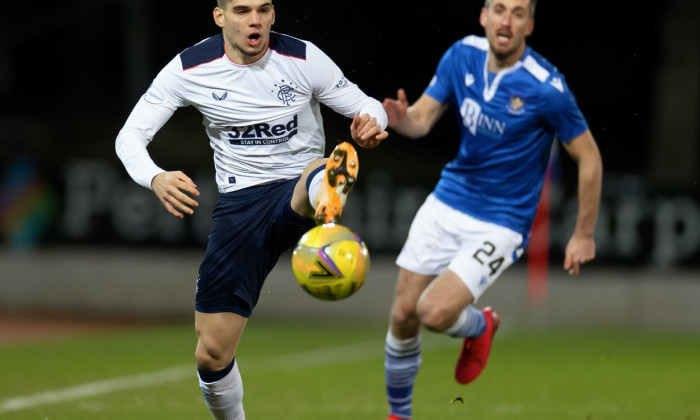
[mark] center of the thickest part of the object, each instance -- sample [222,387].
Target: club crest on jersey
[285,92]
[515,106]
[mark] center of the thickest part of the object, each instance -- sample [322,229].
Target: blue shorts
[251,228]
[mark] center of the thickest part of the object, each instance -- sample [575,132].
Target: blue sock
[401,364]
[471,323]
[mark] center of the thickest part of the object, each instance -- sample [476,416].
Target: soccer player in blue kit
[510,104]
[259,93]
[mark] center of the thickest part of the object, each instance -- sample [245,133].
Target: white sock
[314,186]
[454,329]
[225,396]
[406,344]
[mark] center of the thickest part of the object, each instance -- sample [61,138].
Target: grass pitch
[298,370]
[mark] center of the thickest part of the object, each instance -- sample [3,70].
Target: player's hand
[366,131]
[578,251]
[396,108]
[175,190]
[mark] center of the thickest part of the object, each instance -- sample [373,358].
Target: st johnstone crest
[516,104]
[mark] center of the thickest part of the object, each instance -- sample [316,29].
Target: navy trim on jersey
[204,52]
[287,45]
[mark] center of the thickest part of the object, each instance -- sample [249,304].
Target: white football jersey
[263,119]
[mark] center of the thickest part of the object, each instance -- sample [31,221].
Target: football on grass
[330,262]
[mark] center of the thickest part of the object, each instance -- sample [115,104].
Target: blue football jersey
[508,122]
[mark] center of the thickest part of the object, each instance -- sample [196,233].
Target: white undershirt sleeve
[138,131]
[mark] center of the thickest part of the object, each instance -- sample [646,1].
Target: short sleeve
[560,109]
[440,87]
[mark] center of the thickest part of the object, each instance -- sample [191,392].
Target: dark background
[65,66]
[70,73]
[67,62]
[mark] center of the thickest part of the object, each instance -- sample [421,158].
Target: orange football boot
[341,174]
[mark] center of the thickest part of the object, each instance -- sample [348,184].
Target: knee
[404,321]
[434,317]
[210,356]
[300,202]
[402,314]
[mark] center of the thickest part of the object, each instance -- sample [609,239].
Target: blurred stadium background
[79,237]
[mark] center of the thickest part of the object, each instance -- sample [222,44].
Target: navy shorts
[251,228]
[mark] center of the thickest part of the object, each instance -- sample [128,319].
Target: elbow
[423,131]
[591,173]
[411,130]
[119,144]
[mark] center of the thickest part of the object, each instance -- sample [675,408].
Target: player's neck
[499,62]
[237,56]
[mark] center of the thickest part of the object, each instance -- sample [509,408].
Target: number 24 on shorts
[483,255]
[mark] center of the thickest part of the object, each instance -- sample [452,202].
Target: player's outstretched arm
[366,131]
[581,246]
[175,190]
[396,108]
[416,120]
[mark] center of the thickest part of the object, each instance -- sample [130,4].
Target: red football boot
[475,351]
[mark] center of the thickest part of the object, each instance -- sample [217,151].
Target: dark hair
[533,5]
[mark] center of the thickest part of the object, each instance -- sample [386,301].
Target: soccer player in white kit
[510,103]
[259,93]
